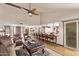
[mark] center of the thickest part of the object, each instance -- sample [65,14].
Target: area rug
[48,52]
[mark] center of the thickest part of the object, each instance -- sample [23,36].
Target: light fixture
[30,14]
[56,24]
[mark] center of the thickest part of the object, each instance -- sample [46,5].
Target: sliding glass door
[71,34]
[71,37]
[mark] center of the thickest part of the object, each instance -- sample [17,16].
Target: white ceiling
[50,12]
[51,7]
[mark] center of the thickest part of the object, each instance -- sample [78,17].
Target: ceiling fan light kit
[30,14]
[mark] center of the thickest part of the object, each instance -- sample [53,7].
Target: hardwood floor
[57,48]
[61,50]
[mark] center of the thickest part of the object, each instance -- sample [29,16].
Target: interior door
[71,38]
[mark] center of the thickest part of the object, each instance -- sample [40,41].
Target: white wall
[59,16]
[60,39]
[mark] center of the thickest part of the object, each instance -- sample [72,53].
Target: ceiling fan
[30,11]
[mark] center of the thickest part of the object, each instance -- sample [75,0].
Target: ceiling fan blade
[35,13]
[26,9]
[13,5]
[33,9]
[16,6]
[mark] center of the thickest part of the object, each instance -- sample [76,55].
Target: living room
[27,28]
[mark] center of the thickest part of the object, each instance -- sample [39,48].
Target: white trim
[77,33]
[64,35]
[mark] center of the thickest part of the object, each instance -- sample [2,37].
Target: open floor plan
[39,29]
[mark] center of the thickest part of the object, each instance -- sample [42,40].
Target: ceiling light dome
[30,14]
